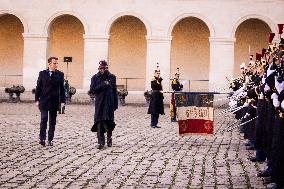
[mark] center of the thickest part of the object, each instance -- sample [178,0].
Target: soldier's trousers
[102,128]
[278,152]
[43,124]
[154,119]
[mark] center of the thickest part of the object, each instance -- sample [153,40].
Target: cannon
[17,90]
[69,91]
[122,93]
[147,95]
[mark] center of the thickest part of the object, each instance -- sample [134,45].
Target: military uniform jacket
[156,105]
[50,90]
[176,85]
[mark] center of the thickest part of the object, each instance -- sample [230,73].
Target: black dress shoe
[248,144]
[100,146]
[267,180]
[255,159]
[250,147]
[271,186]
[109,142]
[42,142]
[264,173]
[157,126]
[50,143]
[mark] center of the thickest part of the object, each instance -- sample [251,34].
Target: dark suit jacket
[50,90]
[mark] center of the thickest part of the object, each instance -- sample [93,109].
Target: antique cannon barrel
[7,90]
[15,89]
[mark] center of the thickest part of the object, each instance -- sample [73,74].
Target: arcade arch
[11,50]
[127,52]
[251,36]
[190,51]
[66,40]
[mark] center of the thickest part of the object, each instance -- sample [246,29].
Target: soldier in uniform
[156,106]
[176,87]
[278,134]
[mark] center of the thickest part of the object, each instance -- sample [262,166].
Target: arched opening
[127,52]
[251,36]
[190,51]
[11,50]
[66,40]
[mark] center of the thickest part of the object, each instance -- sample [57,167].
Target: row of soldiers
[258,102]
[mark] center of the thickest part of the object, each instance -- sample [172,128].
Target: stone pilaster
[158,50]
[221,62]
[35,58]
[95,49]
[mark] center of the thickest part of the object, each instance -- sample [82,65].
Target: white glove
[246,104]
[274,96]
[276,103]
[266,88]
[242,95]
[282,105]
[233,103]
[263,80]
[239,91]
[261,96]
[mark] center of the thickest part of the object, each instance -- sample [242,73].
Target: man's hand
[106,82]
[37,103]
[276,103]
[62,104]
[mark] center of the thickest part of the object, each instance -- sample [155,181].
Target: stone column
[35,58]
[221,62]
[95,49]
[158,50]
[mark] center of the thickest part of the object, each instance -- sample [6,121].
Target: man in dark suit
[103,86]
[49,95]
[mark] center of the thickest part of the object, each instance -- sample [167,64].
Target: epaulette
[153,79]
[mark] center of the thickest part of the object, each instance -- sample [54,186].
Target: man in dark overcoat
[156,106]
[103,86]
[49,95]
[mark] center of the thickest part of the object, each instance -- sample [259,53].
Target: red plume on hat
[257,56]
[263,52]
[271,36]
[280,28]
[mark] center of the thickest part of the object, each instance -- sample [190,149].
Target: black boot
[109,142]
[42,142]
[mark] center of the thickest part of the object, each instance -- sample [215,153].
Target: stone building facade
[206,39]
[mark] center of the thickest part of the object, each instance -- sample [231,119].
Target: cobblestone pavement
[141,157]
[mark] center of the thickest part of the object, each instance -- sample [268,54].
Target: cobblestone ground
[141,157]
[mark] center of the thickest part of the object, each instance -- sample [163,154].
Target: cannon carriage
[16,90]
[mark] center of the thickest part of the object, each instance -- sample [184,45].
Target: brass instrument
[242,124]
